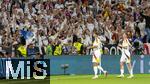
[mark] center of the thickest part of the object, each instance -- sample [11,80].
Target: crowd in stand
[64,27]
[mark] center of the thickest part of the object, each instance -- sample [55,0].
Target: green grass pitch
[84,79]
[111,79]
[18,81]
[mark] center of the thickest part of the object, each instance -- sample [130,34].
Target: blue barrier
[83,64]
[2,67]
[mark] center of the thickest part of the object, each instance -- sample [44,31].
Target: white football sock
[122,71]
[100,68]
[95,70]
[131,71]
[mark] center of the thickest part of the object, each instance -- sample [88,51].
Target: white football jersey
[126,44]
[97,43]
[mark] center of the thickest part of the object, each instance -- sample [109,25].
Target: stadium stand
[64,27]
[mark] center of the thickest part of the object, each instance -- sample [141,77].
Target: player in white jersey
[125,57]
[96,57]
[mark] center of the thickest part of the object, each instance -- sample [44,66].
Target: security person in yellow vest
[79,46]
[58,49]
[22,51]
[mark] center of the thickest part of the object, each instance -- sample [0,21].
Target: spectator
[79,46]
[146,16]
[31,51]
[58,48]
[49,49]
[36,21]
[22,52]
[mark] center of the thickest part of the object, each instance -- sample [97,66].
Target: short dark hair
[1,54]
[96,32]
